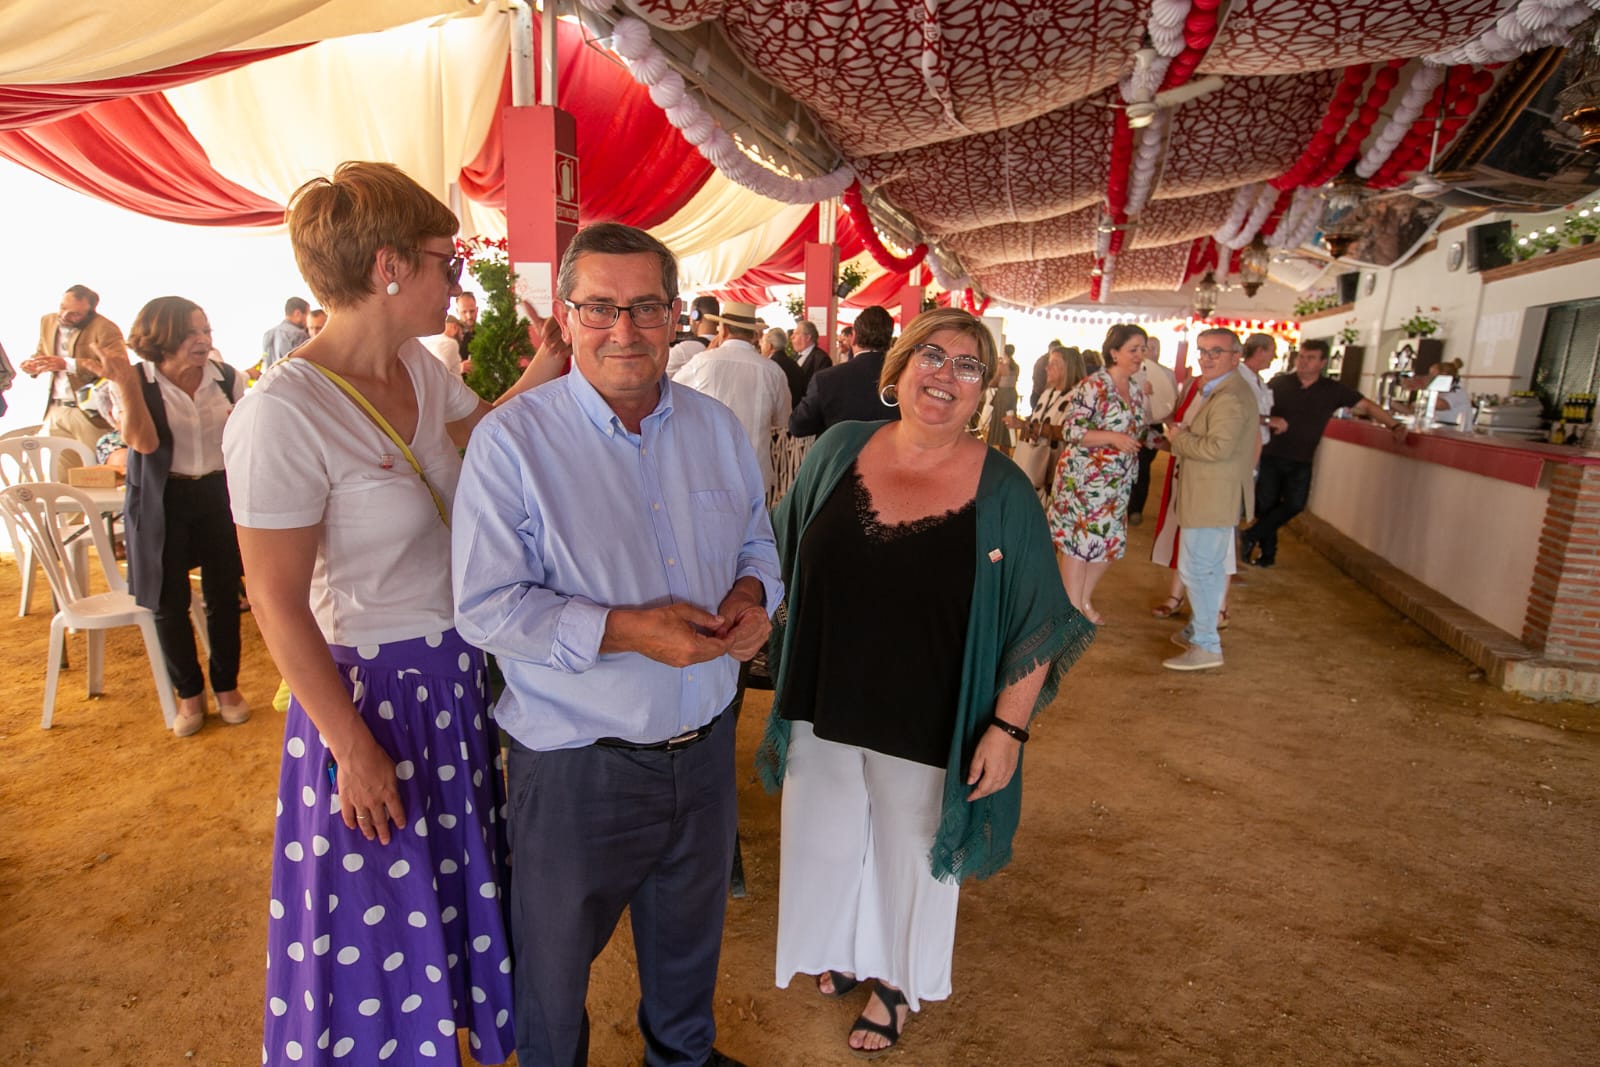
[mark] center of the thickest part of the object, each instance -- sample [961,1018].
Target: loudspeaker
[1349,282]
[1485,245]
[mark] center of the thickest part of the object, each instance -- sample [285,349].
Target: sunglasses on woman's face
[453,265]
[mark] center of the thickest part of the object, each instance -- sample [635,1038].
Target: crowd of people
[603,531]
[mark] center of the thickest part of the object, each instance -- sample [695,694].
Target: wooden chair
[48,516]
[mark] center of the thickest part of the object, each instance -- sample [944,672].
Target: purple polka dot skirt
[380,953]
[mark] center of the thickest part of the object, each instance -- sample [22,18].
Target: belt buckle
[682,740]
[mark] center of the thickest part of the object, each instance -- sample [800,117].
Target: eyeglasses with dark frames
[965,368]
[453,265]
[649,315]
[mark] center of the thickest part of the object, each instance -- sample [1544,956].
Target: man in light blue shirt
[287,336]
[611,546]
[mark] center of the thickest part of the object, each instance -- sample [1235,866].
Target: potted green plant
[795,305]
[1581,229]
[850,278]
[501,347]
[1420,324]
[1349,334]
[1310,305]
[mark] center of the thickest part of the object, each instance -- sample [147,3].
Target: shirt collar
[594,406]
[1210,387]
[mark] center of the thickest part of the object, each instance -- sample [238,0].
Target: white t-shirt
[301,453]
[1263,399]
[683,352]
[446,349]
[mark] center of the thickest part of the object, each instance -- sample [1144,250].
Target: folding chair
[43,513]
[26,458]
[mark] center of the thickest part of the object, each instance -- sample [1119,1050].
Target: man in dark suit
[849,392]
[808,353]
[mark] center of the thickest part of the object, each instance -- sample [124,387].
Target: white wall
[1493,329]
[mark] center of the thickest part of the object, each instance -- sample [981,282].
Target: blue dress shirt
[562,514]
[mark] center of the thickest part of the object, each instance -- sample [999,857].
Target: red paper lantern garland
[1199,30]
[1456,99]
[856,205]
[1333,122]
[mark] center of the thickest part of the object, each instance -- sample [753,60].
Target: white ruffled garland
[1243,199]
[1141,179]
[649,67]
[1423,82]
[1300,221]
[1531,24]
[1165,28]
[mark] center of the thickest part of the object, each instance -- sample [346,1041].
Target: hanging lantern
[1341,217]
[1206,292]
[1253,264]
[1580,100]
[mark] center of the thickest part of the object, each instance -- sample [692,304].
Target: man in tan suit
[1215,455]
[67,341]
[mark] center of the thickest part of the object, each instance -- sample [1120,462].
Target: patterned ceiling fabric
[1035,170]
[1248,130]
[22,106]
[859,64]
[1039,283]
[1275,37]
[48,41]
[136,153]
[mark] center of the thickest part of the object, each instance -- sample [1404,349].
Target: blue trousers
[1202,557]
[594,830]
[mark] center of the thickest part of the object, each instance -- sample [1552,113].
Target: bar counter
[1507,530]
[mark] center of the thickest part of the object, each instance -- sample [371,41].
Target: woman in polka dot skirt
[386,932]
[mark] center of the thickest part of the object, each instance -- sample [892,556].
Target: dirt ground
[1339,849]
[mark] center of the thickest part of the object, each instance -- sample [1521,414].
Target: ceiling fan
[1143,107]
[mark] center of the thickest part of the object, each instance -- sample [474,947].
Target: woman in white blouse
[177,515]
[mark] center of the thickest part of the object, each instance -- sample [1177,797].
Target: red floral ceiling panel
[1063,235]
[1152,268]
[1035,170]
[886,75]
[1283,36]
[1040,283]
[1166,222]
[1246,131]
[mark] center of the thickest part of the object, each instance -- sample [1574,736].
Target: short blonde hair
[338,224]
[925,326]
[161,326]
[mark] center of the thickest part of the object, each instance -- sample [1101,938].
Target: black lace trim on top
[885,532]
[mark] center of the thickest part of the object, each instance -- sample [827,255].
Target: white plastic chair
[22,431]
[43,512]
[26,458]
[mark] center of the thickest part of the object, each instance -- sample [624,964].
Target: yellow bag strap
[389,431]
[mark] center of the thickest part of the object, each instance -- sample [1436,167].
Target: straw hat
[737,314]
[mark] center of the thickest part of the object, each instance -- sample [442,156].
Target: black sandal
[842,984]
[891,999]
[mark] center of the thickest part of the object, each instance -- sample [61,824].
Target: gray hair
[1218,331]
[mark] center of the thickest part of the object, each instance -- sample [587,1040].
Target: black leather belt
[671,744]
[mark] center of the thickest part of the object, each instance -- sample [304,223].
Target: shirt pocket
[719,518]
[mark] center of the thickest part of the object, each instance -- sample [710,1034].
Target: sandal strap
[891,999]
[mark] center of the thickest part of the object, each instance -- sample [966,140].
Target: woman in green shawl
[926,626]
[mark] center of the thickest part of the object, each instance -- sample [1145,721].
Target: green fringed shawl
[1020,618]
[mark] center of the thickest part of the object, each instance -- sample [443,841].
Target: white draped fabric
[422,97]
[718,210]
[738,252]
[43,41]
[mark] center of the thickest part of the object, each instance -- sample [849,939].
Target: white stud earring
[393,289]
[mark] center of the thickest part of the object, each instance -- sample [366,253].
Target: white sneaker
[1194,658]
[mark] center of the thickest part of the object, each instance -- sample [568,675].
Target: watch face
[1457,252]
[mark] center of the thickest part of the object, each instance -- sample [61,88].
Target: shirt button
[643,451]
[672,563]
[690,677]
[655,507]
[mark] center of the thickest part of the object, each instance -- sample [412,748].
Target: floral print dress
[1088,512]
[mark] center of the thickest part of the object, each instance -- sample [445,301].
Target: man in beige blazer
[1215,455]
[66,352]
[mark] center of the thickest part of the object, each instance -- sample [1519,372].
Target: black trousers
[1141,484]
[200,533]
[1282,488]
[594,830]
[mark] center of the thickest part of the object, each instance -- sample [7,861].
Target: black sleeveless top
[877,663]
